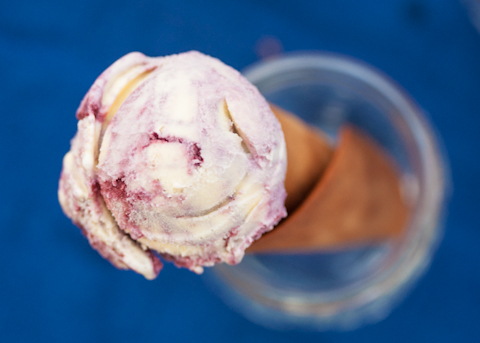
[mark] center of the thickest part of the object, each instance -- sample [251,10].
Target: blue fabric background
[55,288]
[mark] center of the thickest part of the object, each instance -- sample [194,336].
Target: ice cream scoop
[180,155]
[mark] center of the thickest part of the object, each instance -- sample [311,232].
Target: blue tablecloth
[55,288]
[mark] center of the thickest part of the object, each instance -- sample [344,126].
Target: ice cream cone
[352,197]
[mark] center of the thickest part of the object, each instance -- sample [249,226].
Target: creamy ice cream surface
[180,155]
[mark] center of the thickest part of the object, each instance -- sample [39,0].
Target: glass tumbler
[350,287]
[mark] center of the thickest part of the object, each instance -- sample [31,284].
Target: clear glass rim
[382,289]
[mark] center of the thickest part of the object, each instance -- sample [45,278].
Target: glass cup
[346,288]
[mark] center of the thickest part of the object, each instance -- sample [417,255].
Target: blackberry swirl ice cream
[176,156]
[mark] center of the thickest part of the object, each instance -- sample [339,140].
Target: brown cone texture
[346,198]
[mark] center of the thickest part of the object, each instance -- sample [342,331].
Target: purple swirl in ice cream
[180,155]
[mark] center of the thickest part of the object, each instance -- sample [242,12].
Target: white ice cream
[177,154]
